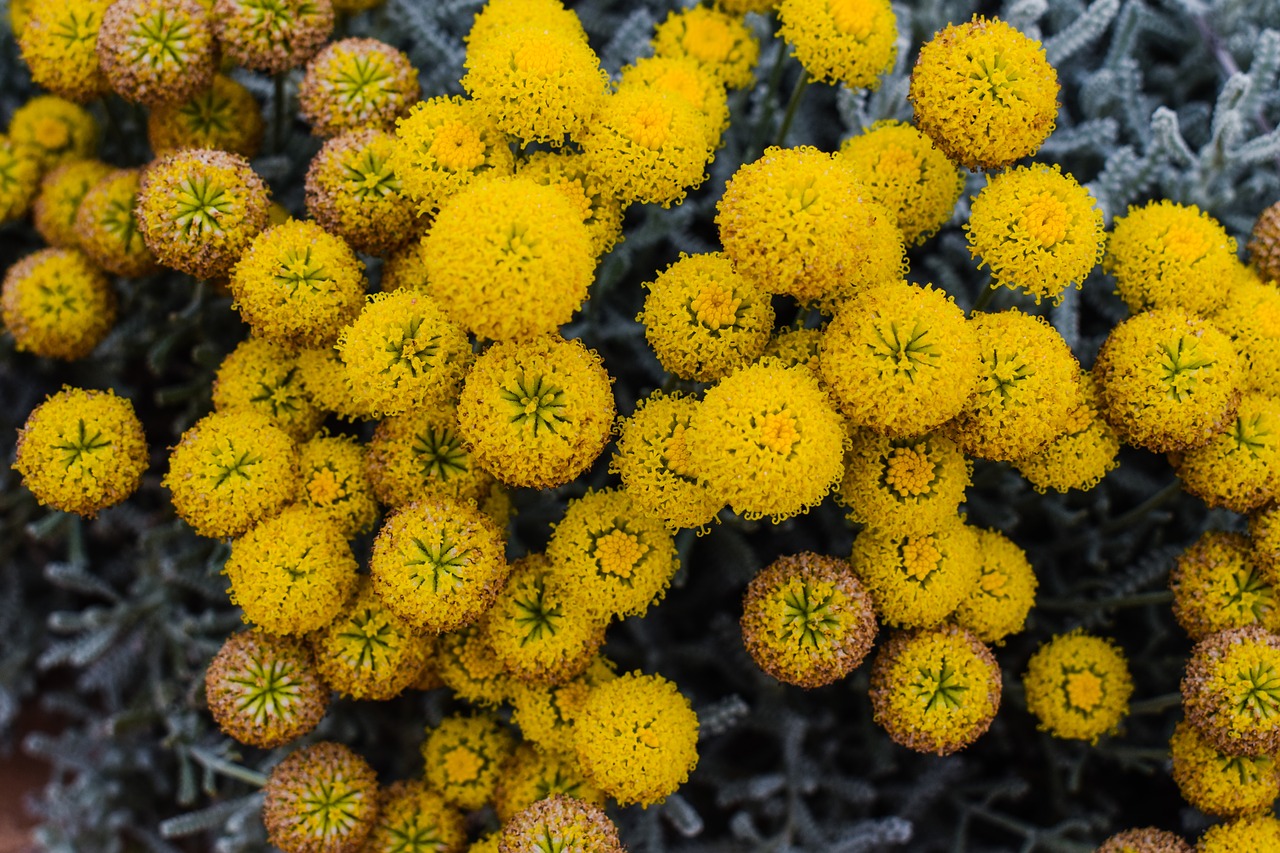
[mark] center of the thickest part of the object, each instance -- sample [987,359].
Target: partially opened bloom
[1078,686]
[576,826]
[414,818]
[1219,784]
[852,42]
[1251,318]
[916,581]
[157,52]
[353,193]
[419,454]
[444,144]
[1082,455]
[19,179]
[466,663]
[223,115]
[1238,469]
[1231,690]
[272,35]
[545,713]
[57,304]
[263,690]
[1264,243]
[1255,832]
[322,797]
[334,480]
[357,84]
[532,774]
[1147,840]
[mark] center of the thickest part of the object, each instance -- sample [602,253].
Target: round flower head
[1168,255]
[57,304]
[935,690]
[636,738]
[1148,840]
[796,347]
[463,757]
[1238,469]
[997,605]
[325,378]
[55,130]
[917,581]
[107,227]
[703,320]
[292,573]
[272,35]
[653,462]
[418,455]
[796,222]
[444,144]
[231,470]
[536,413]
[1078,686]
[576,827]
[1169,381]
[466,664]
[334,480]
[1264,244]
[353,193]
[498,16]
[900,359]
[263,377]
[412,818]
[721,43]
[509,259]
[224,116]
[1028,388]
[903,486]
[1037,230]
[158,51]
[19,14]
[1251,318]
[571,174]
[59,44]
[19,179]
[852,42]
[297,285]
[438,564]
[322,798]
[1256,832]
[357,84]
[199,209]
[264,691]
[984,93]
[401,352]
[768,441]
[539,83]
[366,652]
[1081,456]
[901,170]
[531,775]
[1221,785]
[685,78]
[545,713]
[806,620]
[1231,690]
[82,451]
[61,192]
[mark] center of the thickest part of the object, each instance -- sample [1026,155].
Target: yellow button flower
[272,36]
[357,84]
[353,193]
[366,652]
[575,825]
[463,757]
[1231,690]
[61,192]
[721,43]
[916,581]
[158,52]
[1218,784]
[997,605]
[223,116]
[59,45]
[263,377]
[852,42]
[413,818]
[1078,686]
[57,304]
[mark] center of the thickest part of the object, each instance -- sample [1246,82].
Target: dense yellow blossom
[570,173]
[1257,832]
[901,486]
[57,304]
[1238,469]
[365,652]
[1078,686]
[997,605]
[532,775]
[852,42]
[263,376]
[223,116]
[157,52]
[272,35]
[61,192]
[466,664]
[55,130]
[59,45]
[405,269]
[334,480]
[498,16]
[464,755]
[545,713]
[1264,538]
[357,84]
[916,581]
[353,192]
[575,825]
[264,691]
[721,43]
[327,381]
[684,77]
[1081,456]
[443,145]
[1231,690]
[1251,318]
[412,818]
[1221,785]
[107,227]
[19,179]
[322,797]
[796,347]
[419,454]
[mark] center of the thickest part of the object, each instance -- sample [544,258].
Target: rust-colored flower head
[1231,690]
[157,51]
[357,84]
[576,826]
[1264,247]
[272,35]
[264,691]
[323,798]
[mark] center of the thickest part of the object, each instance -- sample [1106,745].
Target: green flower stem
[1154,502]
[1156,704]
[227,768]
[984,298]
[770,91]
[797,94]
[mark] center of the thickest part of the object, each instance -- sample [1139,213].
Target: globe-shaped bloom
[57,304]
[321,797]
[1078,686]
[841,41]
[357,84]
[264,691]
[157,52]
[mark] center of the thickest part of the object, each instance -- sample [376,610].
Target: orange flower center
[458,147]
[618,552]
[715,306]
[920,557]
[707,40]
[324,488]
[908,471]
[650,125]
[1046,219]
[778,432]
[1084,690]
[852,17]
[462,765]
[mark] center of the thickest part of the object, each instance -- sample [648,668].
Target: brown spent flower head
[272,36]
[1264,245]
[1231,690]
[322,798]
[1145,840]
[353,192]
[157,52]
[412,818]
[367,652]
[577,827]
[264,691]
[357,84]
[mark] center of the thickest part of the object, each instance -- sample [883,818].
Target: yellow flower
[1221,785]
[405,269]
[19,179]
[532,775]
[357,84]
[997,605]
[56,131]
[231,470]
[806,620]
[703,320]
[487,843]
[684,77]
[107,228]
[1257,832]
[636,738]
[1037,230]
[721,43]
[935,690]
[157,52]
[545,713]
[272,35]
[353,192]
[742,7]
[438,564]
[61,192]
[325,378]
[464,755]
[984,93]
[1078,686]
[917,581]
[852,42]
[586,191]
[418,455]
[796,347]
[365,652]
[901,170]
[1264,537]
[19,14]
[412,818]
[499,16]
[768,441]
[796,222]
[322,797]
[59,45]
[1238,469]
[261,376]
[466,664]
[1251,318]
[264,691]
[536,413]
[223,116]
[574,825]
[443,145]
[57,304]
[1169,381]
[82,451]
[1231,690]
[509,259]
[334,480]
[1264,244]
[902,486]
[1081,456]
[1146,840]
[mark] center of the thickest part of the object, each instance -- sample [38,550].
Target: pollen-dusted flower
[684,77]
[223,116]
[935,690]
[636,738]
[536,413]
[1028,388]
[1037,230]
[1264,244]
[575,825]
[796,222]
[903,171]
[1146,840]
[509,259]
[59,44]
[1238,469]
[272,36]
[353,192]
[57,304]
[767,440]
[704,320]
[292,573]
[61,191]
[326,380]
[1231,690]
[322,797]
[418,455]
[412,818]
[1218,784]
[438,564]
[1078,686]
[199,209]
[463,757]
[984,93]
[533,774]
[1256,832]
[357,84]
[20,171]
[1082,455]
[230,471]
[366,652]
[498,16]
[900,359]
[264,691]
[158,51]
[570,173]
[721,43]
[997,605]
[1251,318]
[901,486]
[466,664]
[806,620]
[57,131]
[545,713]
[402,351]
[1169,381]
[852,42]
[262,376]
[107,227]
[917,581]
[81,451]
[334,480]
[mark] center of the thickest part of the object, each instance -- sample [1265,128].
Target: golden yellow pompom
[685,78]
[57,304]
[532,774]
[796,347]
[223,116]
[158,52]
[412,818]
[997,605]
[263,377]
[61,192]
[59,45]
[903,486]
[366,652]
[917,581]
[419,454]
[1218,784]
[54,130]
[357,84]
[1231,690]
[1081,456]
[721,43]
[272,36]
[353,193]
[463,757]
[1251,318]
[326,380]
[19,179]
[107,227]
[545,713]
[570,173]
[1238,469]
[334,480]
[1258,832]
[577,827]
[322,797]
[466,664]
[264,691]
[841,41]
[1078,686]
[498,16]
[444,144]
